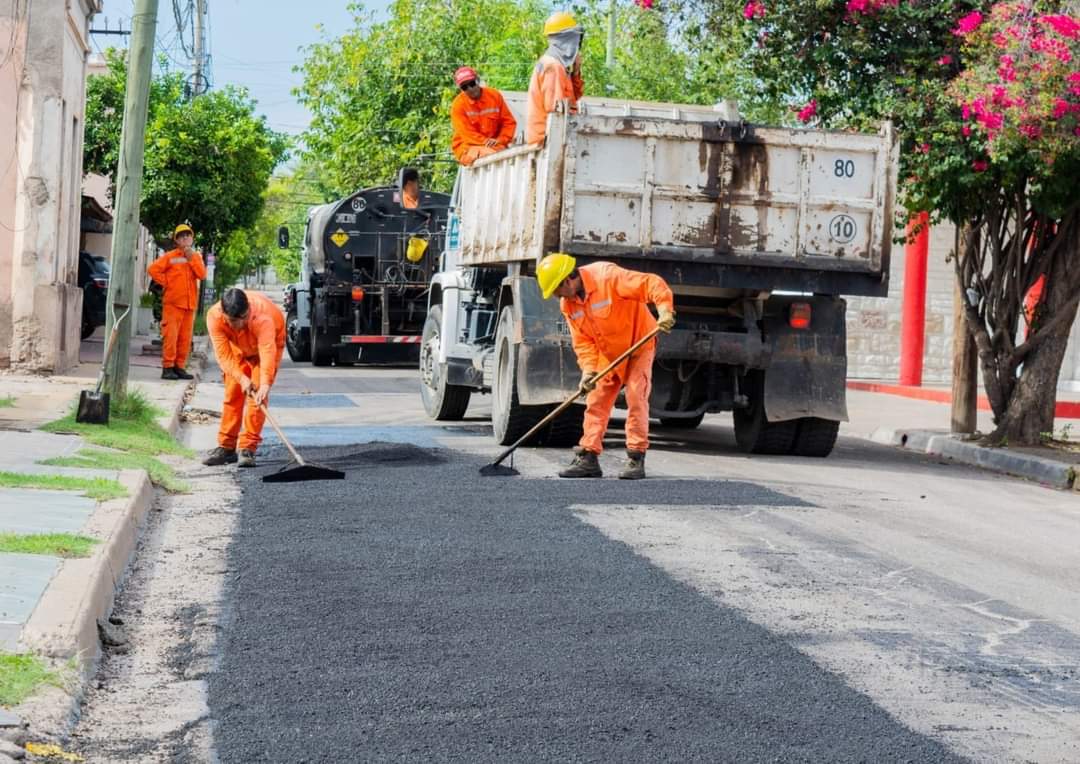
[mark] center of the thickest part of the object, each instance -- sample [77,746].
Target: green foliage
[7,401]
[96,488]
[132,427]
[21,675]
[52,544]
[160,473]
[206,159]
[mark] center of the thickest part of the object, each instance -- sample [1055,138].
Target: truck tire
[815,437]
[297,338]
[567,428]
[509,419]
[322,354]
[754,434]
[442,401]
[680,423]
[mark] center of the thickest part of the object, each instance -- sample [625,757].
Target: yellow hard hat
[559,21]
[552,271]
[182,228]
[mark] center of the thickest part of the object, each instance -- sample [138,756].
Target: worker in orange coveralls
[481,119]
[557,76]
[179,272]
[606,309]
[248,332]
[410,188]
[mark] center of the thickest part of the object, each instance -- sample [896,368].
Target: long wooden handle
[109,347]
[296,457]
[570,401]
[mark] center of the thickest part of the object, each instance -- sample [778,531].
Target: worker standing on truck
[248,333]
[605,307]
[481,119]
[178,271]
[557,76]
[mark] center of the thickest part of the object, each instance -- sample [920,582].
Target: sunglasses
[469,85]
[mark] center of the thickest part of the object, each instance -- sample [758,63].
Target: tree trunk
[1030,413]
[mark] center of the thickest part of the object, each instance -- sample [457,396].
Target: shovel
[303,470]
[94,406]
[496,468]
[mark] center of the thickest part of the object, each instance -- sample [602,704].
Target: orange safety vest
[180,277]
[259,343]
[550,83]
[475,122]
[613,314]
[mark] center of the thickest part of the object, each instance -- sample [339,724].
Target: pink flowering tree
[986,97]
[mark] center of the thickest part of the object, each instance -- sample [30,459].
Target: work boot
[169,373]
[220,456]
[247,458]
[181,374]
[635,466]
[584,465]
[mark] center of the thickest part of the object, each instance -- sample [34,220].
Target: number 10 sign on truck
[758,230]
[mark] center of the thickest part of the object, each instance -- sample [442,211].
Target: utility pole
[129,173]
[965,374]
[609,60]
[199,86]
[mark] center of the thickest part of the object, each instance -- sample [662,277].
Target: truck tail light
[101,283]
[358,294]
[799,315]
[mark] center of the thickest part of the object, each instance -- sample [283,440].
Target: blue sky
[253,43]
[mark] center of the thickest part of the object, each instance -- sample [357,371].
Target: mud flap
[807,376]
[547,370]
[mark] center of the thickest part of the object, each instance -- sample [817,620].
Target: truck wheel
[567,428]
[442,401]
[680,423]
[322,354]
[297,338]
[815,437]
[509,419]
[753,433]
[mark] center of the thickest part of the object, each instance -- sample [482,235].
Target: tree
[985,99]
[207,159]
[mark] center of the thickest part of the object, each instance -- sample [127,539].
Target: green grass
[160,473]
[20,675]
[199,328]
[7,402]
[96,488]
[51,544]
[131,428]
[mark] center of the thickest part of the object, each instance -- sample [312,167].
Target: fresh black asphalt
[416,611]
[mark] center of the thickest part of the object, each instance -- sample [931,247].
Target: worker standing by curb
[606,308]
[179,272]
[248,332]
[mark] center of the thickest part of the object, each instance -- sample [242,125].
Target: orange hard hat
[464,74]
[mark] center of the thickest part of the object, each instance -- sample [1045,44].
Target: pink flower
[1000,40]
[1034,132]
[1076,131]
[968,24]
[966,130]
[965,111]
[808,112]
[1061,108]
[754,9]
[980,165]
[991,121]
[924,148]
[944,60]
[1066,26]
[866,7]
[644,4]
[1055,48]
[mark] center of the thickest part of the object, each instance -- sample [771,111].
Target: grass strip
[100,489]
[66,545]
[160,473]
[7,402]
[132,427]
[20,675]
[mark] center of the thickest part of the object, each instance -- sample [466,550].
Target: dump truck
[760,232]
[366,266]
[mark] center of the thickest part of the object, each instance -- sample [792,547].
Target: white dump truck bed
[627,180]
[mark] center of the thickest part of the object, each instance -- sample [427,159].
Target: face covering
[564,46]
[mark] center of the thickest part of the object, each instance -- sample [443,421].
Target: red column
[913,324]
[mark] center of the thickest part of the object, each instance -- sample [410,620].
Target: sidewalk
[51,606]
[919,419]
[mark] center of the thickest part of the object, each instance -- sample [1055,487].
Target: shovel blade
[93,408]
[297,473]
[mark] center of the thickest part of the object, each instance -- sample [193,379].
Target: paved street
[877,605]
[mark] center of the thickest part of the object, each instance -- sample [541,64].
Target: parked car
[94,281]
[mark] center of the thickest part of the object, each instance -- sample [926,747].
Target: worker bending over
[481,119]
[606,308]
[557,76]
[179,271]
[248,333]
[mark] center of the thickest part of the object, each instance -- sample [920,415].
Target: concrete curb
[64,623]
[200,347]
[1039,469]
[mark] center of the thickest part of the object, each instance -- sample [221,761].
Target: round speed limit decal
[842,228]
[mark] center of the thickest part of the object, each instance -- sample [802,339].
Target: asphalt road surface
[872,606]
